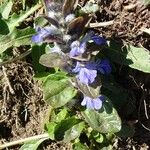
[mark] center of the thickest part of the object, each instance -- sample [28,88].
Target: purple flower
[103,66]
[43,33]
[85,75]
[77,48]
[98,40]
[93,103]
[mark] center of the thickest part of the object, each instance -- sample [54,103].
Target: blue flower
[103,66]
[77,48]
[43,33]
[93,103]
[87,72]
[98,40]
[85,75]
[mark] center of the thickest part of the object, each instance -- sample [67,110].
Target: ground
[21,102]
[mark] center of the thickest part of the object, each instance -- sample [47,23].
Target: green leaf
[90,7]
[4,30]
[33,145]
[58,91]
[54,60]
[87,90]
[126,131]
[7,9]
[37,51]
[79,146]
[16,19]
[114,91]
[146,2]
[136,58]
[68,129]
[16,39]
[104,121]
[61,115]
[50,127]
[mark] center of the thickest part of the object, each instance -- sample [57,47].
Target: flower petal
[87,76]
[97,103]
[98,40]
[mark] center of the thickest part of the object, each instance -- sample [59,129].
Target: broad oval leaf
[104,121]
[58,92]
[68,129]
[136,58]
[54,60]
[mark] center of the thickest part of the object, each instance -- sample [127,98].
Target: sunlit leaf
[5,9]
[33,145]
[58,91]
[136,58]
[79,146]
[16,39]
[105,121]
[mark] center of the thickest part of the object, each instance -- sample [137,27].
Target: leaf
[90,7]
[4,30]
[61,115]
[136,58]
[68,129]
[6,9]
[16,19]
[146,2]
[58,91]
[126,131]
[79,146]
[33,145]
[89,91]
[54,60]
[16,39]
[114,91]
[50,127]
[37,51]
[104,121]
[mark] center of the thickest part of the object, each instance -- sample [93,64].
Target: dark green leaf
[126,131]
[68,129]
[36,53]
[58,91]
[104,121]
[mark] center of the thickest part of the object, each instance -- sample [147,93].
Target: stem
[101,24]
[36,137]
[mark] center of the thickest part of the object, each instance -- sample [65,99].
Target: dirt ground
[21,103]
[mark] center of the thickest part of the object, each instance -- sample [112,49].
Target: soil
[21,101]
